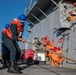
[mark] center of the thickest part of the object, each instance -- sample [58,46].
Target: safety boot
[12,68]
[4,63]
[17,67]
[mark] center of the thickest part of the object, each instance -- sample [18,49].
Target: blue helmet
[22,18]
[7,26]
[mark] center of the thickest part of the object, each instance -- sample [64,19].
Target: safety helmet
[22,18]
[7,26]
[58,48]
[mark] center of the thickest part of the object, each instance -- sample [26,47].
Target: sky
[10,9]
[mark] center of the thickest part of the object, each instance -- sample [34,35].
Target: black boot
[12,68]
[4,63]
[8,62]
[17,67]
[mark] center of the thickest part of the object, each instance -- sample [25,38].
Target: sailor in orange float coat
[50,46]
[56,60]
[59,57]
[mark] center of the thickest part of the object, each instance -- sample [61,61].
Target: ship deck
[40,70]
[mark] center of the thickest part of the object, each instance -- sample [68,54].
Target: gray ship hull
[52,22]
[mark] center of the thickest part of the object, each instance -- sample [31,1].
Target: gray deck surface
[40,70]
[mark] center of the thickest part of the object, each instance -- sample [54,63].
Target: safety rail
[30,6]
[65,15]
[66,9]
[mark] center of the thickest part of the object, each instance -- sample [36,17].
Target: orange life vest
[20,28]
[50,46]
[56,59]
[8,32]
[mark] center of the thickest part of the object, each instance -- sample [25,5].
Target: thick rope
[71,59]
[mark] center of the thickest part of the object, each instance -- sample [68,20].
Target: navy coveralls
[12,45]
[5,52]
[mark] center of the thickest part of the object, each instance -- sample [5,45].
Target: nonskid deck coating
[40,70]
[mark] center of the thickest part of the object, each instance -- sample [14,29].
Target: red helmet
[58,48]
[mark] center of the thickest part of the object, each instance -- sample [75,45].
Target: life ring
[45,40]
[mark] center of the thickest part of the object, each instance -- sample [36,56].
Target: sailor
[10,41]
[37,50]
[5,51]
[37,42]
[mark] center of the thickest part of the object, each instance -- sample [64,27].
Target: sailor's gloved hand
[21,39]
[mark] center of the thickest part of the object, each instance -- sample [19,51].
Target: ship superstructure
[51,18]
